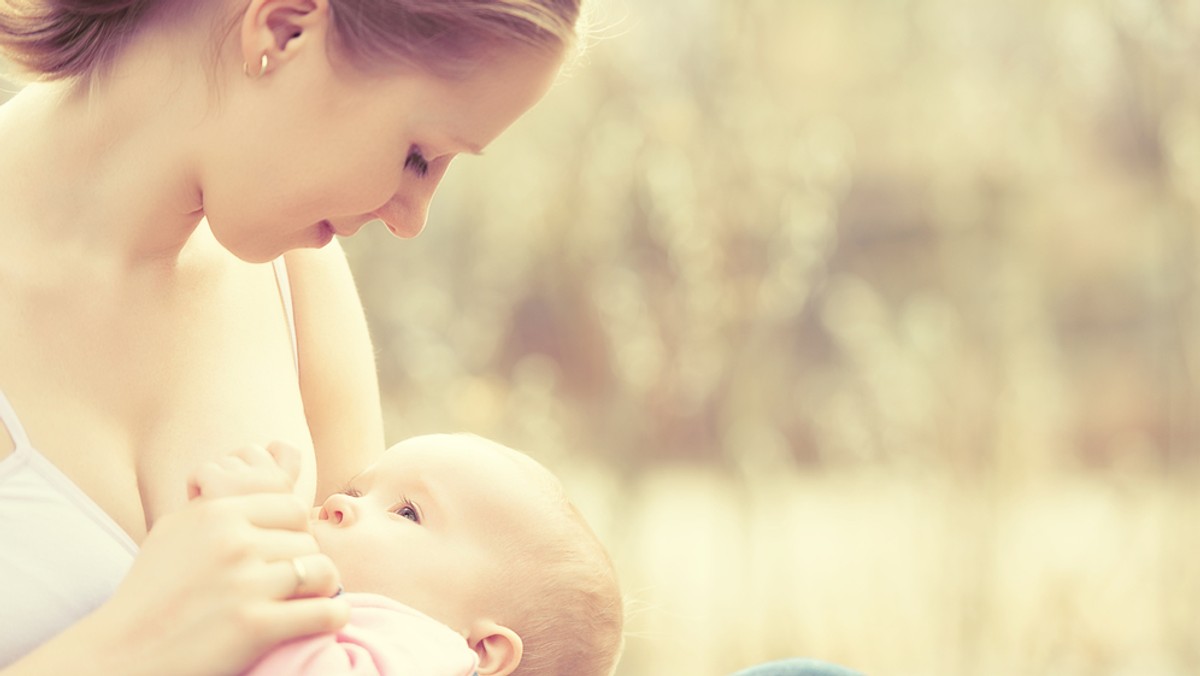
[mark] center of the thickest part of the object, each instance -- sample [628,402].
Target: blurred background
[863,330]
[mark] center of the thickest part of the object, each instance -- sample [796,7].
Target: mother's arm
[338,379]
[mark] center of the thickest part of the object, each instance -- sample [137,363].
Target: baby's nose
[336,510]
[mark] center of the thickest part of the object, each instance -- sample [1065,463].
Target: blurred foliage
[929,233]
[865,330]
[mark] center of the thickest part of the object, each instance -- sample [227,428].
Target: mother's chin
[265,242]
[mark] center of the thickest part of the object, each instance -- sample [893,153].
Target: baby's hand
[250,469]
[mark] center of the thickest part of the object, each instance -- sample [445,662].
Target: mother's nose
[404,217]
[338,509]
[406,212]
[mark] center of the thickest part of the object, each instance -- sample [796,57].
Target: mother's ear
[272,30]
[499,648]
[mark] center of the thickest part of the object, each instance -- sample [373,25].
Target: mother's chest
[126,401]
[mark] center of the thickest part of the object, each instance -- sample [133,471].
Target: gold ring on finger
[301,573]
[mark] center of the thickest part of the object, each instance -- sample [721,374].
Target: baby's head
[481,538]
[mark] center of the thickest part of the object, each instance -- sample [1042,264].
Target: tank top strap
[285,294]
[8,416]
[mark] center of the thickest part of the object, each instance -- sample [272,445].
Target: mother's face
[310,149]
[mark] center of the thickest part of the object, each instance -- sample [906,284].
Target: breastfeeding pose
[171,182]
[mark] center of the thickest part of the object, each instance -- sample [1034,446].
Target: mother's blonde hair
[72,38]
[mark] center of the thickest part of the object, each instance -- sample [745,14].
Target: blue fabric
[797,667]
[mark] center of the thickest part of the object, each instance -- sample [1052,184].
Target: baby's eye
[409,511]
[351,491]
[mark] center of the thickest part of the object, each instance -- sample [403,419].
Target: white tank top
[61,556]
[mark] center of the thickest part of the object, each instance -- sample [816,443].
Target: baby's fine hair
[572,617]
[57,39]
[564,596]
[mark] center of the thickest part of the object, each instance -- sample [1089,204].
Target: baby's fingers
[204,479]
[250,469]
[282,511]
[287,457]
[254,456]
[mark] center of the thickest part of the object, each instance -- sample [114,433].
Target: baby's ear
[499,648]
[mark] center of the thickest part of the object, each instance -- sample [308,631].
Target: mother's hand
[215,585]
[227,579]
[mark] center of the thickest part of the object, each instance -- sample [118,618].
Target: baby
[458,555]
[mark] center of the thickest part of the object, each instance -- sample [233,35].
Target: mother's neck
[105,169]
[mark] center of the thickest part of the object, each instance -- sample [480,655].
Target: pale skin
[419,526]
[133,217]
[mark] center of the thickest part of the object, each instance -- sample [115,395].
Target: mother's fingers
[300,617]
[312,575]
[276,545]
[281,536]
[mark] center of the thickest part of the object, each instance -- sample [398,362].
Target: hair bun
[66,38]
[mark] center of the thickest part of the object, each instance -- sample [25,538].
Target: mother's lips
[404,228]
[343,230]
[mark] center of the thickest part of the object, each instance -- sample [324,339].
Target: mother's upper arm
[337,365]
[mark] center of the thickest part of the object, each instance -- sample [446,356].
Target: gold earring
[262,68]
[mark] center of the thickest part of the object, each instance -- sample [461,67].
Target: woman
[170,289]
